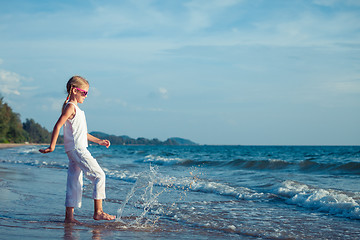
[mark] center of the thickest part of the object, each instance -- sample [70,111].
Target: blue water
[190,192]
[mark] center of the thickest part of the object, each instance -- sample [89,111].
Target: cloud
[202,14]
[308,29]
[117,19]
[116,101]
[94,91]
[160,93]
[9,82]
[140,30]
[12,83]
[163,92]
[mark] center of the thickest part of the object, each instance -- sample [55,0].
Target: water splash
[141,207]
[140,201]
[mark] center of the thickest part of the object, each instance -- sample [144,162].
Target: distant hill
[126,140]
[182,141]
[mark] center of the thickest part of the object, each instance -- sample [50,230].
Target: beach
[10,145]
[188,192]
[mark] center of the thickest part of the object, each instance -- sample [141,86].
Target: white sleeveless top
[75,131]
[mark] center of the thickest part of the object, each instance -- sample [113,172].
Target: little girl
[80,160]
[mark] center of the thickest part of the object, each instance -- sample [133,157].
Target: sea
[188,192]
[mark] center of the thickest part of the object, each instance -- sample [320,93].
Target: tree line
[126,140]
[12,130]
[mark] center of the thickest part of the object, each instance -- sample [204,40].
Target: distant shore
[11,145]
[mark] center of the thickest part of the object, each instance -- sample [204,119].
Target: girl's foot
[72,220]
[103,216]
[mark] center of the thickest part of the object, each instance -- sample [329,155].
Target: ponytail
[67,98]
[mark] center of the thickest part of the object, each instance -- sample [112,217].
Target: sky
[236,72]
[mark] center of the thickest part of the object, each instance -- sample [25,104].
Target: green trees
[13,131]
[4,120]
[10,125]
[37,133]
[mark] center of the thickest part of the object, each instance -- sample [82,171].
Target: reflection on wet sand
[70,233]
[98,230]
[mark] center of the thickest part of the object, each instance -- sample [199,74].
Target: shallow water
[195,192]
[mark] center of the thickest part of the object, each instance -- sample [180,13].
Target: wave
[324,200]
[191,183]
[330,201]
[37,163]
[168,161]
[271,164]
[308,165]
[159,160]
[30,150]
[339,203]
[347,168]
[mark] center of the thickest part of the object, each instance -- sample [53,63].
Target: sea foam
[159,160]
[324,200]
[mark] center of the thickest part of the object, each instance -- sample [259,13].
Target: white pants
[81,161]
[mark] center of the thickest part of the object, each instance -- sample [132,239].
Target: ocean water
[188,192]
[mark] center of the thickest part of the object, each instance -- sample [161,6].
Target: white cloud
[52,104]
[94,91]
[9,82]
[308,29]
[276,51]
[145,27]
[12,83]
[161,92]
[116,101]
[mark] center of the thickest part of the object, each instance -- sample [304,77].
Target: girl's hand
[46,150]
[105,143]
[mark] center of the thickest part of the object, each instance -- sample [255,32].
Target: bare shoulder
[69,111]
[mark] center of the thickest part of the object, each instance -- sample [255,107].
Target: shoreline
[11,145]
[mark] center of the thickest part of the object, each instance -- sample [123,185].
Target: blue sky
[213,71]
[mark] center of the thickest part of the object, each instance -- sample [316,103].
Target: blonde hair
[74,82]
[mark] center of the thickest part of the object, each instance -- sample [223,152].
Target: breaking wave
[324,200]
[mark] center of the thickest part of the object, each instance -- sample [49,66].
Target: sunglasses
[83,91]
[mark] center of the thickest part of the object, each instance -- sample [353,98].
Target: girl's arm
[69,110]
[102,142]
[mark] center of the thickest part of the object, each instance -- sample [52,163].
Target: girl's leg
[69,216]
[99,214]
[73,190]
[93,172]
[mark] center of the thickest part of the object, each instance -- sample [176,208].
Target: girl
[80,160]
